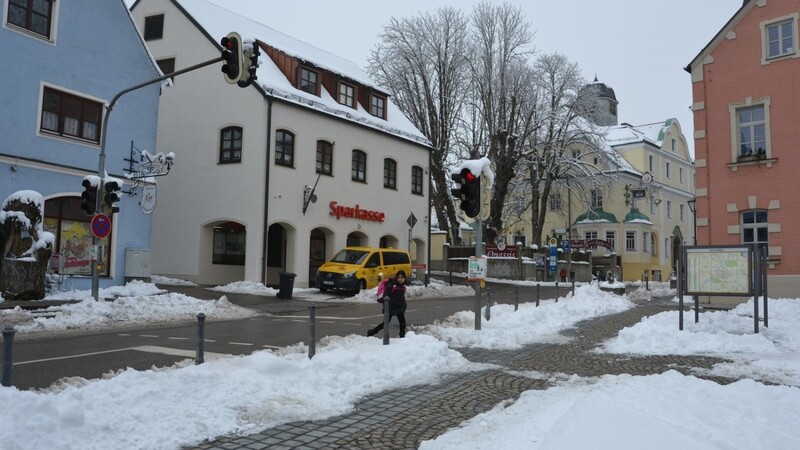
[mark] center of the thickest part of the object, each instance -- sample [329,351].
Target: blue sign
[565,244]
[553,253]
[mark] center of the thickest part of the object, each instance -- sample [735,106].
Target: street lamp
[693,208]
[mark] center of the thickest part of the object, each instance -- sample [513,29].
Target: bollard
[516,298]
[556,291]
[8,340]
[573,286]
[488,313]
[312,339]
[386,318]
[646,283]
[538,292]
[451,278]
[201,338]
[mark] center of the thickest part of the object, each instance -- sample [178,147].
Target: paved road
[403,418]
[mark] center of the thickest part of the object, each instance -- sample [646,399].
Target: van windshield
[350,256]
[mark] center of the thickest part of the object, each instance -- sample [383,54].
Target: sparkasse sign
[355,212]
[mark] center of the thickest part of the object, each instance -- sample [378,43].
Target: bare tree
[502,81]
[567,152]
[420,60]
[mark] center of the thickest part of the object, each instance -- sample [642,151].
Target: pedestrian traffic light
[468,189]
[232,57]
[89,198]
[250,64]
[112,196]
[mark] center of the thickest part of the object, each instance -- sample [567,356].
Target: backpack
[382,289]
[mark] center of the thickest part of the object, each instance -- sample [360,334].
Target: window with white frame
[680,174]
[780,37]
[651,163]
[597,199]
[669,209]
[590,236]
[674,144]
[668,170]
[70,116]
[750,130]
[555,201]
[35,16]
[682,212]
[755,228]
[611,238]
[630,241]
[347,95]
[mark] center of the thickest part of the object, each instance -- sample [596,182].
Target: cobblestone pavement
[403,418]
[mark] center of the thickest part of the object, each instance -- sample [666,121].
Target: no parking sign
[101,226]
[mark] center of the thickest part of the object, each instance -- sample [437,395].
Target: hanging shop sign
[355,212]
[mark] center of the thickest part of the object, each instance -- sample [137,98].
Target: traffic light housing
[232,63]
[249,65]
[112,195]
[89,198]
[468,189]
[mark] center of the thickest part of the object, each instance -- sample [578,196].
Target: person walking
[395,294]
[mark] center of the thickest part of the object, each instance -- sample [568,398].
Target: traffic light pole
[101,169]
[477,284]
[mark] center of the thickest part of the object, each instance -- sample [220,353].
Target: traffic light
[232,57]
[112,188]
[468,189]
[250,64]
[89,198]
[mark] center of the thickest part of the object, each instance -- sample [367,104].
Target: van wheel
[323,289]
[362,285]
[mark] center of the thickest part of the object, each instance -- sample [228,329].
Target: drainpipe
[430,184]
[266,194]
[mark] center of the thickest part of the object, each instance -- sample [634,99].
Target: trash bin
[286,285]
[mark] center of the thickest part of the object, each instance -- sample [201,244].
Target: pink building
[746,103]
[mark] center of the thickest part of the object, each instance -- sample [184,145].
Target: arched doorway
[389,241]
[276,253]
[357,239]
[317,253]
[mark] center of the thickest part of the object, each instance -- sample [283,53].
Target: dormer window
[347,95]
[308,81]
[377,106]
[34,16]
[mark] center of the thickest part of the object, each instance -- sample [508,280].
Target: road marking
[148,335]
[327,321]
[354,324]
[143,348]
[178,338]
[271,346]
[123,334]
[239,343]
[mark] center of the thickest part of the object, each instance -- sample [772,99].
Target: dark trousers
[401,318]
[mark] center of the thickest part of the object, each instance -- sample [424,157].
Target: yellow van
[356,268]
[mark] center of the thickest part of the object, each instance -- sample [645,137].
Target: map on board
[718,271]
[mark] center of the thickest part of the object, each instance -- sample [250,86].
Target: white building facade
[239,207]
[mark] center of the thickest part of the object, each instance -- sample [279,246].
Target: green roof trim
[594,215]
[635,214]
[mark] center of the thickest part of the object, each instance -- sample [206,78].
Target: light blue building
[64,61]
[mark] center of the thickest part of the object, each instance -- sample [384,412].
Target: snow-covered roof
[652,133]
[218,21]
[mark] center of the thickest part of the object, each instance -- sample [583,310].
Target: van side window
[374,260]
[391,258]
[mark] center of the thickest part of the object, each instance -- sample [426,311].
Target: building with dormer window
[241,207]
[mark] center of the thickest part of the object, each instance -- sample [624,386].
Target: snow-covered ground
[171,407]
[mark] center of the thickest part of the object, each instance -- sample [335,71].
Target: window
[597,199]
[780,38]
[668,170]
[347,95]
[230,145]
[154,27]
[377,106]
[682,212]
[755,228]
[680,174]
[669,209]
[167,65]
[651,163]
[324,157]
[389,173]
[645,241]
[308,81]
[591,236]
[359,166]
[70,116]
[416,180]
[555,201]
[630,241]
[752,131]
[229,244]
[674,145]
[653,244]
[394,258]
[611,238]
[64,218]
[284,148]
[576,154]
[32,15]
[666,248]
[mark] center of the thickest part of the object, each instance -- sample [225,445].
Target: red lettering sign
[495,252]
[356,213]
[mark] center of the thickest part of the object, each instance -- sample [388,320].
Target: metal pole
[764,285]
[201,338]
[101,167]
[477,284]
[538,293]
[312,339]
[680,287]
[488,303]
[8,340]
[386,318]
[757,288]
[516,298]
[556,291]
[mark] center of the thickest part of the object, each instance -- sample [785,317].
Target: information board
[719,271]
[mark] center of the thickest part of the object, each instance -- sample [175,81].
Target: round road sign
[101,226]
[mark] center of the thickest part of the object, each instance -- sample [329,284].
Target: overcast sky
[638,47]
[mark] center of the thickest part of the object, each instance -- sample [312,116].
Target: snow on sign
[101,226]
[476,268]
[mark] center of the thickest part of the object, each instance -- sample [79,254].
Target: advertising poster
[74,243]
